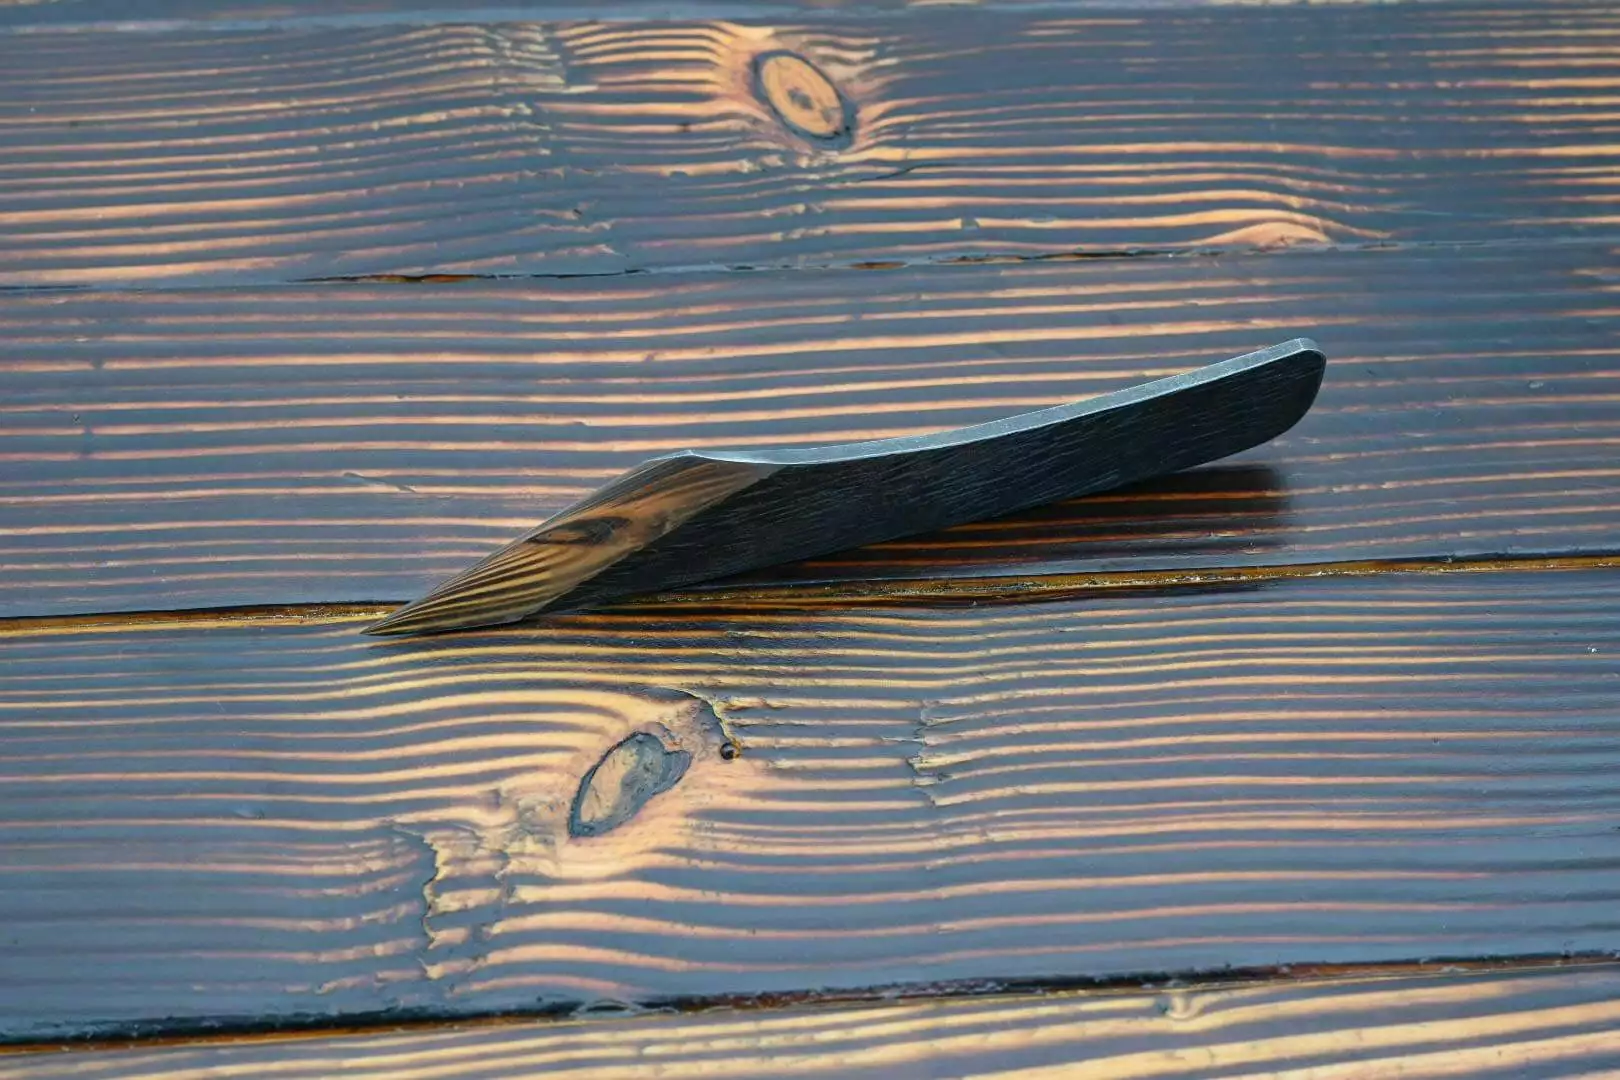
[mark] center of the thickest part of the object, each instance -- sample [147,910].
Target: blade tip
[425,617]
[395,624]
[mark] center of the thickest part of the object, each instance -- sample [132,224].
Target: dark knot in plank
[804,99]
[619,785]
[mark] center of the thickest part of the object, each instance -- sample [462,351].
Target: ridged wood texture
[364,442]
[273,821]
[1531,1026]
[165,15]
[263,822]
[207,155]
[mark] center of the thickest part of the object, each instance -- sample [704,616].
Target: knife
[694,515]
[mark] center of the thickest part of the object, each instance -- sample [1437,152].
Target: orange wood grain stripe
[360,443]
[254,153]
[239,822]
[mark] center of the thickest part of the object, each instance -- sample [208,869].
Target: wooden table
[1304,763]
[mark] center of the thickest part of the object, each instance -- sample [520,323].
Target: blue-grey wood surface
[966,762]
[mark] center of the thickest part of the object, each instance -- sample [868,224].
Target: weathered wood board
[323,444]
[253,154]
[1526,1026]
[777,795]
[167,15]
[265,822]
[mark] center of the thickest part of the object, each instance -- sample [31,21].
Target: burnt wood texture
[259,153]
[362,443]
[239,822]
[952,766]
[80,15]
[701,514]
[1524,1026]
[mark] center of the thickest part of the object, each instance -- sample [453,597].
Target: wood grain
[278,821]
[362,443]
[1526,1025]
[164,15]
[241,154]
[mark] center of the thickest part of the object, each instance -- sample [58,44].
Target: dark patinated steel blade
[696,515]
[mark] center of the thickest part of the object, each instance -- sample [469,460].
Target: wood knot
[803,98]
[619,785]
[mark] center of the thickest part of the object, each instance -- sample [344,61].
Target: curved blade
[695,515]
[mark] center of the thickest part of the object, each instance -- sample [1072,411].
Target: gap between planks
[1529,245]
[973,591]
[1559,1024]
[1171,996]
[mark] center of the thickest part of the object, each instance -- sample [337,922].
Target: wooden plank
[1524,1025]
[274,821]
[212,154]
[268,154]
[31,15]
[361,443]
